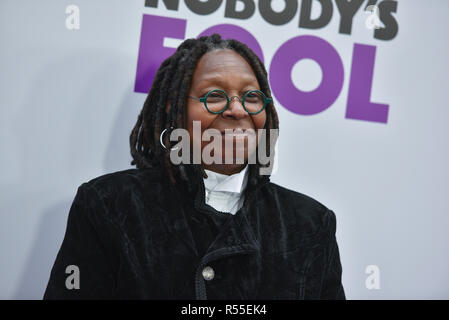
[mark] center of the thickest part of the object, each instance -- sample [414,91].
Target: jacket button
[208,273]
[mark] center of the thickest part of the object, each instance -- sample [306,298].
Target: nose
[235,109]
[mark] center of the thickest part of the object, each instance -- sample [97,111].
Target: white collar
[221,182]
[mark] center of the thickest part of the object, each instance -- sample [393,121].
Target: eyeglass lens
[217,101]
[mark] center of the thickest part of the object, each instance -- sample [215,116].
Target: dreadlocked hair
[172,84]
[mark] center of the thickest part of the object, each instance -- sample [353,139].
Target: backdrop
[361,95]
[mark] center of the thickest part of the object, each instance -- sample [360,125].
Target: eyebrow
[217,79]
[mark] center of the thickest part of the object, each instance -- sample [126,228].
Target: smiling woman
[217,230]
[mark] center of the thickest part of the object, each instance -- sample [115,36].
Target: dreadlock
[172,83]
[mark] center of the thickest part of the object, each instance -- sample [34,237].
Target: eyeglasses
[217,101]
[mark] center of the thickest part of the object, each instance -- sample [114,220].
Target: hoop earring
[162,143]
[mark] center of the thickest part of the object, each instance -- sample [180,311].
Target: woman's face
[227,70]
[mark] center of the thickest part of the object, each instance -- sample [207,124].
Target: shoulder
[114,184]
[295,199]
[302,212]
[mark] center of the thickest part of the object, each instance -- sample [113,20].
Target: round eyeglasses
[217,101]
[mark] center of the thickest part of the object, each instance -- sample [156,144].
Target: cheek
[197,114]
[259,120]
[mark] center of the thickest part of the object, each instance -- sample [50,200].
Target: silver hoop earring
[162,143]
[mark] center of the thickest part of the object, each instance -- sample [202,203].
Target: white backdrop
[67,105]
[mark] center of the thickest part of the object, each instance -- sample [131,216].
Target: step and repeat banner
[360,88]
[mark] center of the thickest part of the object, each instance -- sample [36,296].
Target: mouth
[237,132]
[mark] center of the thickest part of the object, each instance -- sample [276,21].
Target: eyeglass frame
[267,100]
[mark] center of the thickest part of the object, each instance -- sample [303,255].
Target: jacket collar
[236,235]
[234,183]
[249,191]
[195,183]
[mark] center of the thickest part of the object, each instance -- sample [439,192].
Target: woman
[214,230]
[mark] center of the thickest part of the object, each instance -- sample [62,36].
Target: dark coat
[133,236]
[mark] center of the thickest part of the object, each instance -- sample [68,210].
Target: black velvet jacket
[134,236]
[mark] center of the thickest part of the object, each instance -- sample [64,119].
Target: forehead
[223,66]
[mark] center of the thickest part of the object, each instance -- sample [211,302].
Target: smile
[237,132]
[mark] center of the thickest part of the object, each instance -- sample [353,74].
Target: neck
[226,169]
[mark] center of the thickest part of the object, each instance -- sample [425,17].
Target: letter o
[294,50]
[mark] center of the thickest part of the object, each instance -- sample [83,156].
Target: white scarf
[225,193]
